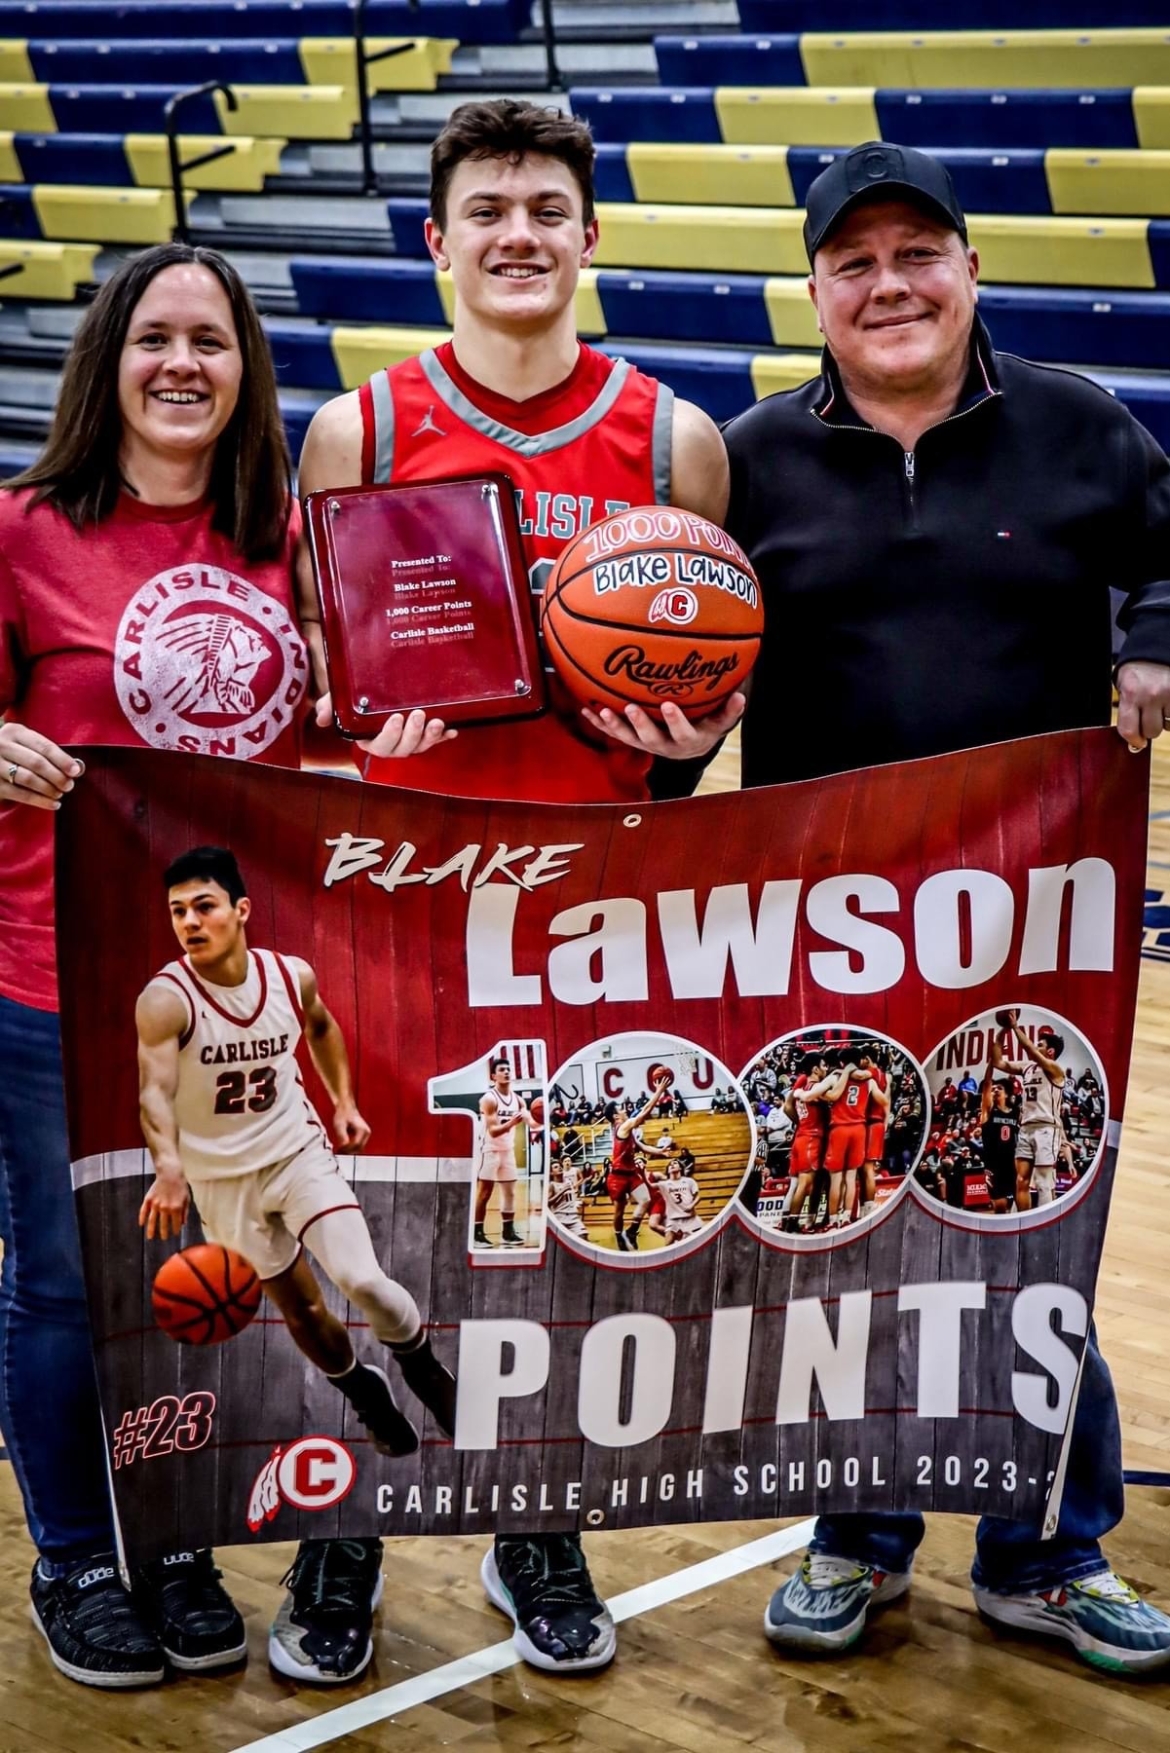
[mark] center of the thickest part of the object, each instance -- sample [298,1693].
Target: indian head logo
[206,663]
[678,605]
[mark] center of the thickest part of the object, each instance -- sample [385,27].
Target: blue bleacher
[646,113]
[730,60]
[998,120]
[472,21]
[361,289]
[985,181]
[1127,329]
[1007,118]
[611,178]
[864,15]
[97,159]
[18,216]
[303,357]
[166,62]
[125,109]
[1159,236]
[728,308]
[408,215]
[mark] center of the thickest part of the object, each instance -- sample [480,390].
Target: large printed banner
[745,1155]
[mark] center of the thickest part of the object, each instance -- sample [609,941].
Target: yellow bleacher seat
[1108,182]
[291,112]
[330,61]
[243,170]
[50,270]
[748,176]
[590,316]
[361,352]
[10,171]
[791,314]
[1151,113]
[759,240]
[15,66]
[1062,252]
[782,371]
[1009,59]
[81,213]
[26,109]
[796,115]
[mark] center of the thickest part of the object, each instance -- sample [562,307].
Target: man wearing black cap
[938,526]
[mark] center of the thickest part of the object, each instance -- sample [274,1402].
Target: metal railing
[365,59]
[171,110]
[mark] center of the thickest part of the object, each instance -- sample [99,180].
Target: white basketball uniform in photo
[240,1104]
[1040,1128]
[497,1153]
[564,1202]
[680,1199]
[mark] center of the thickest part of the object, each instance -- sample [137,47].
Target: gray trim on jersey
[523,443]
[383,403]
[661,443]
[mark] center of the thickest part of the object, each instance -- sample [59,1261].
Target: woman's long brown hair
[251,475]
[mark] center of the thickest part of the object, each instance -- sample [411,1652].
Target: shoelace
[547,1573]
[333,1574]
[1107,1585]
[823,1570]
[196,1583]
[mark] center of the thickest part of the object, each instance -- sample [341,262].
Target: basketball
[536,1109]
[662,1072]
[649,606]
[205,1294]
[1005,1018]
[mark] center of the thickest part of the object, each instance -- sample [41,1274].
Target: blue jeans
[1010,1557]
[49,1410]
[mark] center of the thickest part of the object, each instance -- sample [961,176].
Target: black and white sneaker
[481,1237]
[181,1598]
[510,1236]
[367,1388]
[632,1235]
[93,1628]
[542,1583]
[431,1381]
[322,1632]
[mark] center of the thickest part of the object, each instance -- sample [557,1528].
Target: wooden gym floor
[694,1675]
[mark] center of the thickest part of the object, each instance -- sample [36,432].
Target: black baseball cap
[879,169]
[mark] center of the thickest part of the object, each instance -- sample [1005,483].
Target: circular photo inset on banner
[841,1116]
[1019,1107]
[650,1139]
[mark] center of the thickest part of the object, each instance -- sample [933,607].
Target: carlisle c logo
[313,1473]
[677,605]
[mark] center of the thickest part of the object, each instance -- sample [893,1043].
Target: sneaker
[623,1243]
[368,1391]
[510,1236]
[1107,1622]
[632,1237]
[322,1632]
[192,1615]
[481,1238]
[542,1583]
[431,1382]
[92,1627]
[823,1606]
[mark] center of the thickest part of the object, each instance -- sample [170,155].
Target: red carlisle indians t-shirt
[596,443]
[149,629]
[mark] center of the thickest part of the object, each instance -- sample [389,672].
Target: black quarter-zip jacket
[922,602]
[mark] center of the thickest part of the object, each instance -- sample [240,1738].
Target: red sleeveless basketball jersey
[609,450]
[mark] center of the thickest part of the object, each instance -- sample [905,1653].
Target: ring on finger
[13,770]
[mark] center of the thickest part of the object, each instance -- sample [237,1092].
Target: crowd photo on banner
[450,1000]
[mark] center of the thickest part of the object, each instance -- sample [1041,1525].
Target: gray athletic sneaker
[823,1606]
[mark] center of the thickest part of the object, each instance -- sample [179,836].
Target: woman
[145,598]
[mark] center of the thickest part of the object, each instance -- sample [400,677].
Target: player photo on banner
[841,1115]
[1019,1108]
[383,1096]
[651,1139]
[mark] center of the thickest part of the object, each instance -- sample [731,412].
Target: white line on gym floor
[375,1707]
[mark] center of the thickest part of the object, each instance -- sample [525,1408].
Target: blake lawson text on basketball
[742,1155]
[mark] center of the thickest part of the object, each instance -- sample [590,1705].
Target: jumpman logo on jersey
[428,424]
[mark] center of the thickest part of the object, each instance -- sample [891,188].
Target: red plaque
[425,602]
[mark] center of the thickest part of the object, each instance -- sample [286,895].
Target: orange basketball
[660,1071]
[536,1109]
[653,604]
[205,1294]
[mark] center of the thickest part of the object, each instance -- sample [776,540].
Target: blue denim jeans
[48,1391]
[1010,1557]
